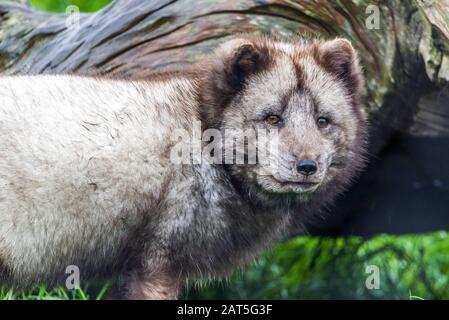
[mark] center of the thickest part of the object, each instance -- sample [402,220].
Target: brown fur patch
[4,272]
[339,58]
[227,73]
[153,286]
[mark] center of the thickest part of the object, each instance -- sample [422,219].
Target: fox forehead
[291,74]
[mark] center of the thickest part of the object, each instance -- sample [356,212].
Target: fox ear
[337,56]
[232,65]
[340,58]
[235,61]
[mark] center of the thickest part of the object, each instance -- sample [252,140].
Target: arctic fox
[87,176]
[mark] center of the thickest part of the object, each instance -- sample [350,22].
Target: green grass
[412,267]
[44,294]
[41,293]
[61,5]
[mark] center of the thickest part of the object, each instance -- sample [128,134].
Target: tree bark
[406,59]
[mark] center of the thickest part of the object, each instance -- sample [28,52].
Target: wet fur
[86,179]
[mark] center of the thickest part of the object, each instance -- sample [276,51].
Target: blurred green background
[61,5]
[410,266]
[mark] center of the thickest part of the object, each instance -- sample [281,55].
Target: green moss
[327,268]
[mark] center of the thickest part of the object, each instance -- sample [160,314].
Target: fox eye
[274,120]
[322,122]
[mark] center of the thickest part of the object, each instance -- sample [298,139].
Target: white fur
[79,159]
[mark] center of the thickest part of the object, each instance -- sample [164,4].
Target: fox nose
[307,167]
